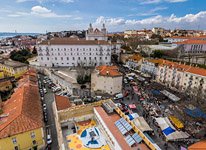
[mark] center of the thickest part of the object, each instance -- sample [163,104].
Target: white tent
[141,124]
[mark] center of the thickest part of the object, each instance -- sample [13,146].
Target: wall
[115,145]
[110,85]
[24,140]
[68,55]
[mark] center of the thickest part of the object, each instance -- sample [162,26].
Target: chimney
[107,73]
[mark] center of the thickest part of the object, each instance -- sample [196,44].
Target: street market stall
[171,96]
[176,122]
[169,130]
[141,124]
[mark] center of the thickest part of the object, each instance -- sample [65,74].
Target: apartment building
[93,51]
[13,68]
[21,118]
[182,77]
[193,47]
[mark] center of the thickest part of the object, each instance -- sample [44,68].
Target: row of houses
[173,74]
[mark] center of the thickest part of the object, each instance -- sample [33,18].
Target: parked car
[45,91]
[118,96]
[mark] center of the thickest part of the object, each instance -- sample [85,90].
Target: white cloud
[151,12]
[109,21]
[47,13]
[150,1]
[175,1]
[41,1]
[18,14]
[67,1]
[159,1]
[172,21]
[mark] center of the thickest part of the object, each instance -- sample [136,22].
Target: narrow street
[48,100]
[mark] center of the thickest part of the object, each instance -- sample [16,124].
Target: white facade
[106,84]
[195,48]
[74,55]
[62,52]
[181,78]
[175,39]
[149,67]
[96,34]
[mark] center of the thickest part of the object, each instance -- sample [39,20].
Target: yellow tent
[176,122]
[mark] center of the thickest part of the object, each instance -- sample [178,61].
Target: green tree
[34,51]
[158,54]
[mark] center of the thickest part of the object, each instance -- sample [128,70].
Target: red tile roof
[70,41]
[62,102]
[183,67]
[111,71]
[109,120]
[192,42]
[23,110]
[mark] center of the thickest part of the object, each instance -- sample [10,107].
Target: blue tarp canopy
[168,131]
[195,113]
[130,117]
[156,92]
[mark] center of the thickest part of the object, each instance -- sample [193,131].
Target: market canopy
[170,96]
[169,130]
[141,124]
[195,113]
[177,123]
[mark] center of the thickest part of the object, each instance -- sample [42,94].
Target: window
[34,142]
[67,58]
[100,58]
[61,58]
[105,58]
[58,53]
[95,58]
[84,58]
[14,140]
[16,148]
[73,58]
[41,58]
[64,49]
[47,58]
[55,58]
[79,58]
[32,135]
[89,58]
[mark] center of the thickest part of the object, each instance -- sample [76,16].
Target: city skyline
[58,15]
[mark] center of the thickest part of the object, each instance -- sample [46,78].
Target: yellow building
[1,74]
[21,124]
[13,68]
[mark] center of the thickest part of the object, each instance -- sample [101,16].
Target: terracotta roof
[198,146]
[70,41]
[156,61]
[62,102]
[23,110]
[109,120]
[111,71]
[183,67]
[136,57]
[192,42]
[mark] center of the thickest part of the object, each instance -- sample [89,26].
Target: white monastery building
[93,51]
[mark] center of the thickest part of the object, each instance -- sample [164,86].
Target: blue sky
[118,15]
